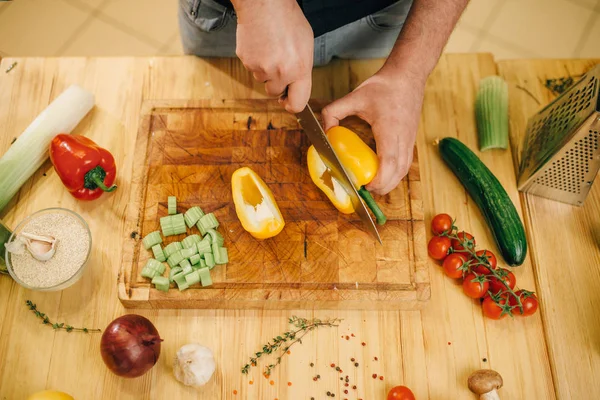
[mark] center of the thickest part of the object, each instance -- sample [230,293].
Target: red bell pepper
[86,169]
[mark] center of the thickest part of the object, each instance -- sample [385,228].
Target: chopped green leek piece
[172,248]
[203,246]
[161,283]
[205,276]
[216,251]
[158,252]
[175,258]
[201,228]
[149,272]
[160,269]
[208,221]
[172,205]
[178,223]
[179,279]
[190,241]
[154,264]
[203,263]
[187,253]
[151,239]
[192,216]
[192,278]
[166,225]
[174,271]
[215,237]
[195,259]
[210,260]
[187,270]
[185,263]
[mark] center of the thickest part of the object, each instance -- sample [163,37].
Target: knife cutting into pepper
[363,169]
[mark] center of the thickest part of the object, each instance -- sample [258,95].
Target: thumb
[338,110]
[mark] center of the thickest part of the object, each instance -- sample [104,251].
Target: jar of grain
[72,252]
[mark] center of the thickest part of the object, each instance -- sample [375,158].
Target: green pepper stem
[96,177]
[372,204]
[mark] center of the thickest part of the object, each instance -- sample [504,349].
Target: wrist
[396,72]
[249,9]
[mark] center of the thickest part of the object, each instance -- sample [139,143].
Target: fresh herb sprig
[56,325]
[281,344]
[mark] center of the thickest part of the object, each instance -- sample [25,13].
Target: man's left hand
[391,103]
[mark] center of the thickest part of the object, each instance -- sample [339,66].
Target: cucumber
[491,113]
[493,201]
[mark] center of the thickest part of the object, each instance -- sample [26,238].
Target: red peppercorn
[352,359]
[363,343]
[381,378]
[352,334]
[346,384]
[354,387]
[376,359]
[332,365]
[345,392]
[347,337]
[374,376]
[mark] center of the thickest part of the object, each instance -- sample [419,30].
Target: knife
[317,137]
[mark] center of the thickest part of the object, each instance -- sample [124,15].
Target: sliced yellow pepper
[358,159]
[255,205]
[50,395]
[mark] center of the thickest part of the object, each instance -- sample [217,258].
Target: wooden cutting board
[322,259]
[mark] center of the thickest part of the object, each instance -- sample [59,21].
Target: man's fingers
[260,76]
[297,95]
[275,87]
[338,110]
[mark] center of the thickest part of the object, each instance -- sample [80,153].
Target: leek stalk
[30,150]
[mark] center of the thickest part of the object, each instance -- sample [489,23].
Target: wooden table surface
[554,354]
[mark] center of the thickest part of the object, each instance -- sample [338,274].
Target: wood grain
[432,350]
[322,259]
[564,242]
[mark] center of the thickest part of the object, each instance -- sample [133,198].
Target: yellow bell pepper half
[255,206]
[50,395]
[358,159]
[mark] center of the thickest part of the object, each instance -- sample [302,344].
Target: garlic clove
[17,246]
[42,248]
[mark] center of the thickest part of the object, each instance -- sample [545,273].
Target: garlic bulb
[42,248]
[194,365]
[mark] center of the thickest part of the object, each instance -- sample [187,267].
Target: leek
[30,150]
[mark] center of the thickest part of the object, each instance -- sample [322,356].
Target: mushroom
[485,383]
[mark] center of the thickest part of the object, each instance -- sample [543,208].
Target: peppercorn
[337,368]
[356,364]
[363,343]
[374,376]
[376,358]
[318,376]
[341,379]
[345,392]
[328,394]
[312,364]
[354,387]
[352,359]
[332,365]
[346,384]
[381,378]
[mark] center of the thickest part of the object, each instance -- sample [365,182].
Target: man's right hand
[275,42]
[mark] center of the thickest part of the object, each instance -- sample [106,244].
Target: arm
[391,100]
[275,42]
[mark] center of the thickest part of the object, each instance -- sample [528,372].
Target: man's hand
[391,104]
[275,42]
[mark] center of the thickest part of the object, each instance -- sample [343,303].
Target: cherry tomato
[464,237]
[453,265]
[528,300]
[400,393]
[475,286]
[482,255]
[441,223]
[496,284]
[438,247]
[481,270]
[494,310]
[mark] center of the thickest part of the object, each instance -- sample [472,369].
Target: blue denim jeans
[208,30]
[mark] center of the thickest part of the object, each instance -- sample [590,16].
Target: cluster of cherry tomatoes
[482,279]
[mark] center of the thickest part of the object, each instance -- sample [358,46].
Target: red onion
[130,346]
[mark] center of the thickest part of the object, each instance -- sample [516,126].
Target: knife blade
[310,124]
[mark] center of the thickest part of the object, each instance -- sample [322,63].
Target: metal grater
[561,150]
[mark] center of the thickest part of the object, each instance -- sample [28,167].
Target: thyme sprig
[281,344]
[56,325]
